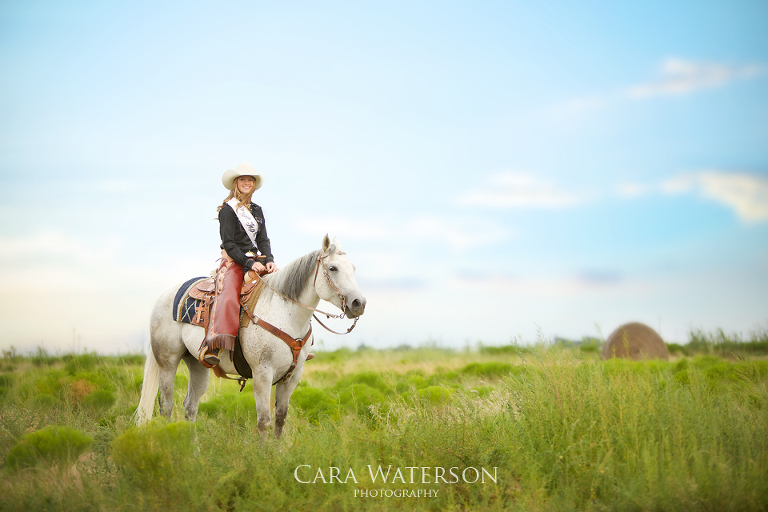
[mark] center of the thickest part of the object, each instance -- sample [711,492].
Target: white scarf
[246,219]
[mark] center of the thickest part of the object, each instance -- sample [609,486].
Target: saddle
[204,291]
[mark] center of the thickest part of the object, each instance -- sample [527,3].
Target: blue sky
[495,170]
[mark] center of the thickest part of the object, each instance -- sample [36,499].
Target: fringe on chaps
[225,314]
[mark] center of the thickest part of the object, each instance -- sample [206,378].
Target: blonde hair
[242,199]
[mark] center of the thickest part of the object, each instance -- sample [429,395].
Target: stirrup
[207,358]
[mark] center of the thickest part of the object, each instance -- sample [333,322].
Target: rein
[314,282]
[296,344]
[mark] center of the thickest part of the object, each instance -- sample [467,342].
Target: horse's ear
[326,243]
[336,245]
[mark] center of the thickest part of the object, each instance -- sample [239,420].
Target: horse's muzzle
[356,307]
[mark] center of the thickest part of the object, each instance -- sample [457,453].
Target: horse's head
[335,279]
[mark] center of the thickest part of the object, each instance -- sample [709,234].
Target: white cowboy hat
[243,169]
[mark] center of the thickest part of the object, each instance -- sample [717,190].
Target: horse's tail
[149,389]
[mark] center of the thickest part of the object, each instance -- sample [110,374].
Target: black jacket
[235,240]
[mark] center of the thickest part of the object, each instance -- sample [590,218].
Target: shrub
[591,345]
[681,365]
[436,395]
[490,369]
[316,404]
[683,377]
[752,370]
[564,431]
[618,367]
[721,343]
[156,454]
[79,363]
[100,380]
[53,445]
[99,400]
[42,357]
[482,391]
[78,389]
[370,379]
[45,401]
[131,359]
[675,348]
[336,356]
[414,379]
[444,378]
[505,350]
[180,381]
[212,407]
[360,397]
[235,405]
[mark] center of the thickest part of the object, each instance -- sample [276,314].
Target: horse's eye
[332,269]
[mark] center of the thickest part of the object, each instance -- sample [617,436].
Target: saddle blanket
[184,306]
[189,299]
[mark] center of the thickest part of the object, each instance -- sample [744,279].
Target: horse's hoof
[311,355]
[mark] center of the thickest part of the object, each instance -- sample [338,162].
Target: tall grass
[727,345]
[563,430]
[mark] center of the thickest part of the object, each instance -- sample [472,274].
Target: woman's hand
[271,267]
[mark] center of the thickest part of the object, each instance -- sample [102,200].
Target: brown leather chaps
[225,314]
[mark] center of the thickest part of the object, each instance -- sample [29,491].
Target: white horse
[287,302]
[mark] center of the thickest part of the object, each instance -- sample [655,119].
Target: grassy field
[549,427]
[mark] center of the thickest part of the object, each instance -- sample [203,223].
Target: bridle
[320,258]
[297,344]
[341,316]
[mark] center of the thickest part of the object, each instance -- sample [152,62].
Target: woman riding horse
[245,249]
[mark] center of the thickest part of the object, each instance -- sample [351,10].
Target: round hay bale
[635,341]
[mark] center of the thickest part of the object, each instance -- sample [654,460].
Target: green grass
[563,429]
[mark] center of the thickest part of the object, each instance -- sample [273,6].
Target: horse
[287,301]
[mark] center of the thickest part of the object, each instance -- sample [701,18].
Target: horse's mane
[290,280]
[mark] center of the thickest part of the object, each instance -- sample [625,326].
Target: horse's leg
[262,388]
[283,392]
[198,383]
[167,347]
[168,363]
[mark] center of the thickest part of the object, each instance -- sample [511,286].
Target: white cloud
[54,245]
[66,264]
[458,233]
[677,77]
[581,283]
[520,190]
[632,190]
[746,194]
[116,186]
[678,184]
[588,103]
[343,227]
[680,76]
